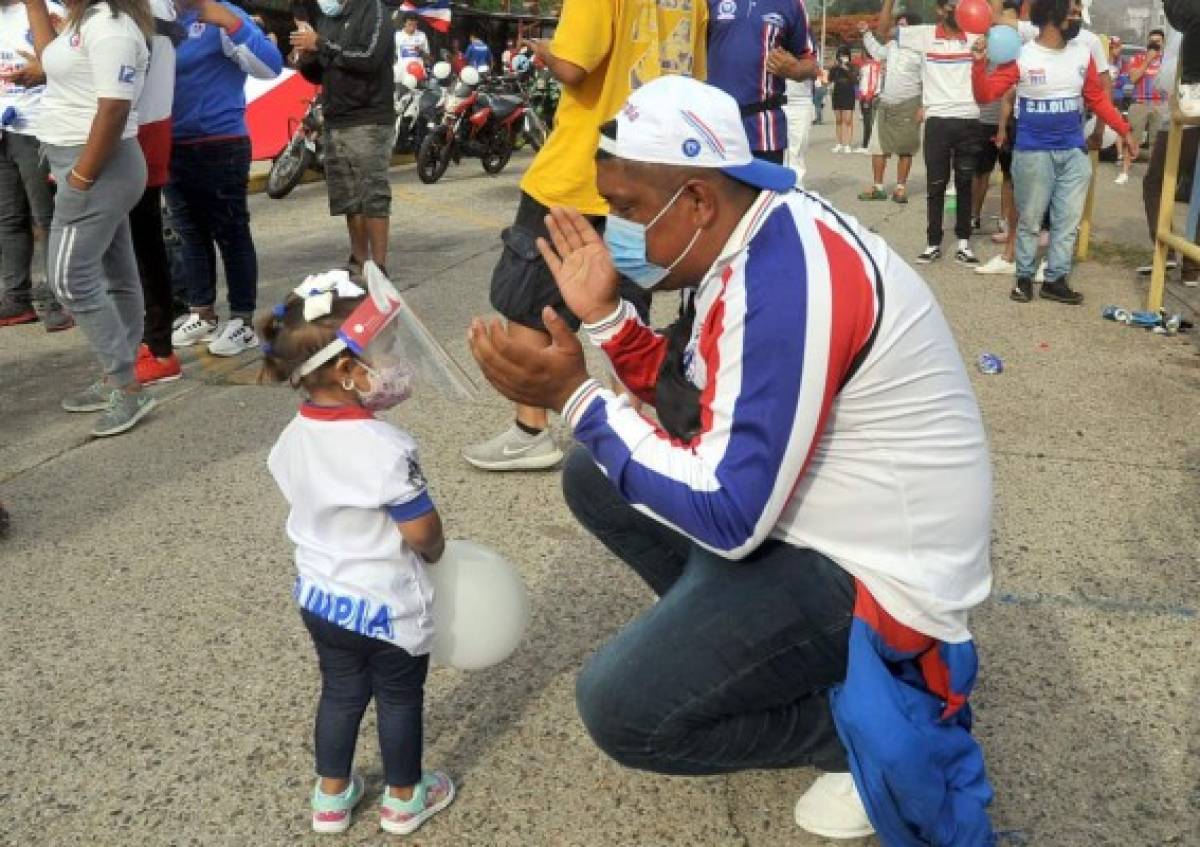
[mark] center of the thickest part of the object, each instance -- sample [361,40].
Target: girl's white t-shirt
[102,57]
[349,479]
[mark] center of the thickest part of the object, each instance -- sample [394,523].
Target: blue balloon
[1003,44]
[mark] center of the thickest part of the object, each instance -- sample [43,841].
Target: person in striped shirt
[816,443]
[870,75]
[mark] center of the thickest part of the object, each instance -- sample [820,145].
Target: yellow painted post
[1085,225]
[1166,214]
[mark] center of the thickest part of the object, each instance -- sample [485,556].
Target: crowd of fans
[181,99]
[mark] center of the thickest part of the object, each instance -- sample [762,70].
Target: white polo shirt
[104,57]
[946,74]
[349,479]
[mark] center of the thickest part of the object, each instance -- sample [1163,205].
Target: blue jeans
[353,669]
[731,669]
[1054,180]
[206,204]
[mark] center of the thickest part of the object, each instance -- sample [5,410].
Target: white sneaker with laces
[997,265]
[1121,179]
[837,148]
[862,150]
[193,330]
[1189,99]
[832,808]
[235,338]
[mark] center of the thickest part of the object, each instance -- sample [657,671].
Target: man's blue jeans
[1056,180]
[206,204]
[730,670]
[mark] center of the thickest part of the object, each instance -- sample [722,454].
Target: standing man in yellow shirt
[601,51]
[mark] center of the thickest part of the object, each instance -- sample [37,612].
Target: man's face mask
[1071,28]
[332,8]
[626,241]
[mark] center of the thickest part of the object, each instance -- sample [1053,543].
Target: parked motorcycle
[305,150]
[543,95]
[522,84]
[419,102]
[475,123]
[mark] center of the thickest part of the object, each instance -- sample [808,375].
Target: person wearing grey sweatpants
[93,269]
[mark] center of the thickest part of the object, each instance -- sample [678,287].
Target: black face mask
[1072,28]
[1154,45]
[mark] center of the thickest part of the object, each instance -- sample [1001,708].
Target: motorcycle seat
[504,105]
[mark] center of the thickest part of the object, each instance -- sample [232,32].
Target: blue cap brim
[763,174]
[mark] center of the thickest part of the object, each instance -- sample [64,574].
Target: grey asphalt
[157,687]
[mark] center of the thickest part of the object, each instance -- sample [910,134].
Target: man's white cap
[677,120]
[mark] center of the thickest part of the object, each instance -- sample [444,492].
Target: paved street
[158,688]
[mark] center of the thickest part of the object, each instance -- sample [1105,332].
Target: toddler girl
[364,527]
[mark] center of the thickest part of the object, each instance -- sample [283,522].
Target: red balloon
[416,68]
[973,16]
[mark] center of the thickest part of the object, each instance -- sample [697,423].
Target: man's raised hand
[544,377]
[581,265]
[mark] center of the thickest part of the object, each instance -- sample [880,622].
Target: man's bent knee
[582,481]
[609,708]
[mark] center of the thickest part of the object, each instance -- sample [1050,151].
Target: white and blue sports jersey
[349,479]
[1053,86]
[741,34]
[835,413]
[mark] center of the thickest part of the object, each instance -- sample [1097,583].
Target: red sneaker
[11,315]
[152,371]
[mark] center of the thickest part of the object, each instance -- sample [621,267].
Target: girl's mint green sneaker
[331,812]
[433,793]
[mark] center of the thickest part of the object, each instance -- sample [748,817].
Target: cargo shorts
[356,170]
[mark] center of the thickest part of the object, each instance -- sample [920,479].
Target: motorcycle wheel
[500,150]
[432,159]
[288,169]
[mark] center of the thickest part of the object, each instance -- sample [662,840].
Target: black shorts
[985,159]
[522,284]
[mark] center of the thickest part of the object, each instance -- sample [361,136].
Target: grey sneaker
[515,450]
[94,398]
[57,319]
[124,411]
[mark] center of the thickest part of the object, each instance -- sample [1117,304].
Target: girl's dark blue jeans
[355,668]
[731,669]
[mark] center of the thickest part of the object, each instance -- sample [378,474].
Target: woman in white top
[95,71]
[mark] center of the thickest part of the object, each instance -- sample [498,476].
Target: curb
[257,183]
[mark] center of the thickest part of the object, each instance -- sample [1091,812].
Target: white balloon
[480,607]
[441,70]
[469,75]
[1107,140]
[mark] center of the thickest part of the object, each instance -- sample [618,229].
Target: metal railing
[1166,238]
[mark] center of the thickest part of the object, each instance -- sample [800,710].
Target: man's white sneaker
[832,808]
[193,330]
[1121,179]
[1189,99]
[862,150]
[837,148]
[997,265]
[234,339]
[515,450]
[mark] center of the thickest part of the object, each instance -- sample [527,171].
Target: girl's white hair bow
[318,291]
